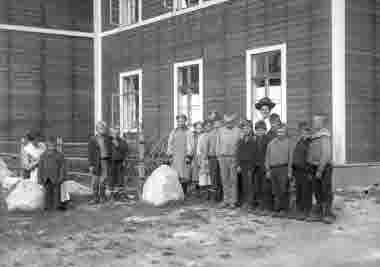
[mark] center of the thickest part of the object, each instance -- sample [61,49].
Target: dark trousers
[247,192]
[304,192]
[263,189]
[322,188]
[280,184]
[117,174]
[52,195]
[216,180]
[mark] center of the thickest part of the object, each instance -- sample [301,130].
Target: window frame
[176,7]
[178,65]
[121,5]
[122,76]
[249,92]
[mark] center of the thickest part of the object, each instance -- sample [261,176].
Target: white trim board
[98,95]
[21,28]
[249,53]
[175,83]
[122,75]
[164,16]
[338,9]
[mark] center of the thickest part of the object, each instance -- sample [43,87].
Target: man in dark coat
[99,156]
[51,174]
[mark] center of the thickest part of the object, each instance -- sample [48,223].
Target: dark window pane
[259,82]
[275,82]
[194,74]
[258,65]
[275,62]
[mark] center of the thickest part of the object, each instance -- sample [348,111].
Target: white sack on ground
[7,183]
[75,189]
[26,196]
[162,186]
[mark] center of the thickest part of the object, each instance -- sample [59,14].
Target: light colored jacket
[320,149]
[227,141]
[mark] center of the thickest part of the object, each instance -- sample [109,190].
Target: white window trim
[178,65]
[249,53]
[164,16]
[121,5]
[123,75]
[338,81]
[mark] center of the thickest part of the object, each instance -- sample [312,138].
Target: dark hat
[260,125]
[181,116]
[32,135]
[274,117]
[266,101]
[198,123]
[245,123]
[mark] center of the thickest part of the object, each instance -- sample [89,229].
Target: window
[266,76]
[188,90]
[131,101]
[125,12]
[182,4]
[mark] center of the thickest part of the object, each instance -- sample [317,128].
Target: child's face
[101,129]
[181,122]
[198,128]
[218,124]
[318,122]
[260,132]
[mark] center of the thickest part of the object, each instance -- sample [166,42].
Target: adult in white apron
[31,154]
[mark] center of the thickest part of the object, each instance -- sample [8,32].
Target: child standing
[52,173]
[246,158]
[119,154]
[263,187]
[226,148]
[195,163]
[202,157]
[320,168]
[299,164]
[278,169]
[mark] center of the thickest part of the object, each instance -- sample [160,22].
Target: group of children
[260,169]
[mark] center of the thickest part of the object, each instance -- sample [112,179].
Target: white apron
[33,154]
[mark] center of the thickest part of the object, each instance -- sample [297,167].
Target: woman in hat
[180,148]
[265,106]
[31,154]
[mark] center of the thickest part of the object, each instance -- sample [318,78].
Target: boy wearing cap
[278,169]
[180,149]
[262,186]
[119,154]
[99,157]
[320,168]
[226,149]
[246,157]
[299,165]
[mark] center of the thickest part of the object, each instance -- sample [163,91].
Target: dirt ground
[189,234]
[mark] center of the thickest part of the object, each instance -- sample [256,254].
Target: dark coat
[271,134]
[261,150]
[300,153]
[246,152]
[51,167]
[94,156]
[119,153]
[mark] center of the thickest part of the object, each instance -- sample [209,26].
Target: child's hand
[91,169]
[318,175]
[238,168]
[268,175]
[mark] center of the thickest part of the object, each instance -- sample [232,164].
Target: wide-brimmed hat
[266,101]
[229,118]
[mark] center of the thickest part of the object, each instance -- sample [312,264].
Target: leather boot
[316,214]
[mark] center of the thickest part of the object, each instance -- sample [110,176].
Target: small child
[278,169]
[202,158]
[52,173]
[197,133]
[118,156]
[275,122]
[299,165]
[246,159]
[320,168]
[263,188]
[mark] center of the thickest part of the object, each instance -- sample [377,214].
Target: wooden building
[153,59]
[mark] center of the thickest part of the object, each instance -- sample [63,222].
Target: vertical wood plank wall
[363,103]
[221,34]
[45,80]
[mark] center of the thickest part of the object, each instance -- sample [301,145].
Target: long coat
[180,146]
[94,156]
[51,167]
